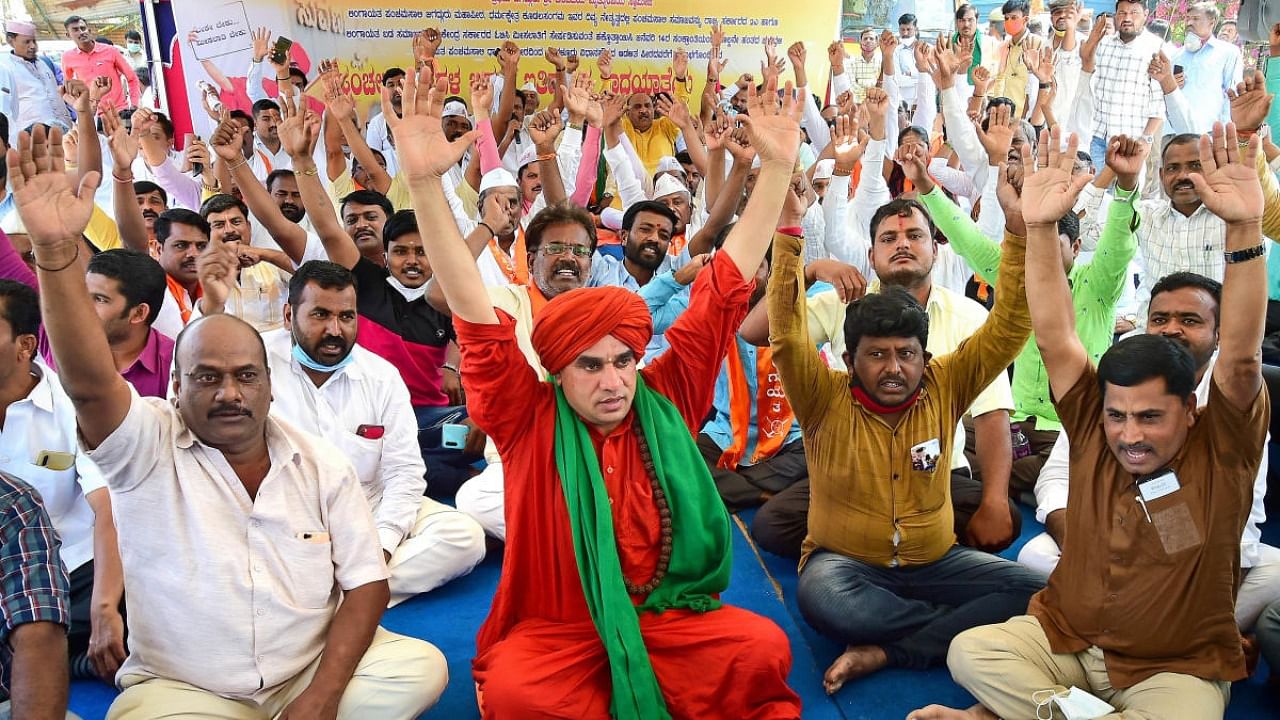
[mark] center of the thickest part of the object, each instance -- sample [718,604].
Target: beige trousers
[443,544]
[398,678]
[1004,665]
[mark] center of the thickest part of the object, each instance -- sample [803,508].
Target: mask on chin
[1192,42]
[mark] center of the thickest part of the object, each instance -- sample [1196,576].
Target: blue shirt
[1210,71]
[608,271]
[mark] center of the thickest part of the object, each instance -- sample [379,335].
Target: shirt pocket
[308,571]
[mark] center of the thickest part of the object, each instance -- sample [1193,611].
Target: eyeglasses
[552,249]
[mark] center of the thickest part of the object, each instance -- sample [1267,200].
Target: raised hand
[1126,156]
[676,110]
[425,45]
[420,142]
[717,36]
[740,148]
[847,105]
[914,161]
[1089,47]
[924,57]
[836,55]
[615,106]
[197,153]
[844,143]
[261,43]
[496,215]
[982,81]
[774,127]
[604,61]
[339,102]
[1250,102]
[717,134]
[54,212]
[1008,192]
[888,43]
[544,128]
[964,49]
[848,281]
[1161,70]
[998,136]
[99,89]
[299,130]
[553,56]
[76,94]
[797,54]
[689,272]
[226,141]
[680,64]
[122,146]
[1050,191]
[571,63]
[1227,182]
[1039,62]
[509,58]
[217,268]
[481,95]
[949,61]
[877,104]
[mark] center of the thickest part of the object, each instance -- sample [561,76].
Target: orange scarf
[773,412]
[516,266]
[537,300]
[179,294]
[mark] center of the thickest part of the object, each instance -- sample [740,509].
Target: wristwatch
[1239,256]
[1149,140]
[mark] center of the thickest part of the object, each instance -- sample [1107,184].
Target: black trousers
[782,523]
[751,485]
[81,605]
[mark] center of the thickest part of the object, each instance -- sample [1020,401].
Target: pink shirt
[104,61]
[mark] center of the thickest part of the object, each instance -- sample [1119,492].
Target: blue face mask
[306,360]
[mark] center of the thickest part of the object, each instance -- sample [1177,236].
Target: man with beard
[647,229]
[1180,233]
[258,294]
[1139,612]
[268,153]
[880,568]
[283,187]
[90,60]
[181,236]
[376,133]
[323,383]
[1184,308]
[985,47]
[279,554]
[561,240]
[1126,101]
[31,95]
[152,200]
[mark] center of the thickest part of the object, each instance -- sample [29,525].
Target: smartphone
[453,436]
[196,168]
[280,53]
[1177,69]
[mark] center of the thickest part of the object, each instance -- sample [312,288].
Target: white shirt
[1124,96]
[367,393]
[264,161]
[36,95]
[904,68]
[224,592]
[1051,486]
[45,420]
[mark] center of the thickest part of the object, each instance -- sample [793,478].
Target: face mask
[134,48]
[1192,42]
[308,362]
[1013,27]
[1074,704]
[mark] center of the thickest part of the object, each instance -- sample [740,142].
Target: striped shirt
[34,587]
[1124,97]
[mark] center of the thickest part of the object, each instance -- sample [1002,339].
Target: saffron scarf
[700,554]
[773,412]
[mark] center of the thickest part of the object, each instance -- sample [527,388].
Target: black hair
[1085,157]
[649,206]
[561,213]
[1182,279]
[907,19]
[133,35]
[1069,225]
[1022,6]
[180,216]
[242,115]
[367,197]
[899,207]
[892,312]
[103,40]
[328,275]
[140,277]
[143,187]
[1142,357]
[264,105]
[913,130]
[221,203]
[4,129]
[1179,139]
[401,223]
[276,175]
[144,79]
[683,158]
[391,73]
[165,124]
[295,71]
[21,307]
[965,9]
[72,21]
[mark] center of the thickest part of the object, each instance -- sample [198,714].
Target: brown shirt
[882,494]
[1156,595]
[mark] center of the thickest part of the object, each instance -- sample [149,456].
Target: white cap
[454,109]
[527,156]
[496,178]
[669,185]
[528,87]
[669,164]
[20,27]
[825,169]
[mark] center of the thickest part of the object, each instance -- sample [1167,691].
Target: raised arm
[425,157]
[544,129]
[55,215]
[124,149]
[1048,193]
[298,136]
[1229,187]
[88,154]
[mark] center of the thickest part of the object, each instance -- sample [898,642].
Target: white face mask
[1192,42]
[1074,704]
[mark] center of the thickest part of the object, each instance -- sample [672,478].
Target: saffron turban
[576,320]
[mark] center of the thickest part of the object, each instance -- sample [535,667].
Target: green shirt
[1096,286]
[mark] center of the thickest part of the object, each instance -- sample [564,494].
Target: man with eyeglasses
[232,524]
[561,241]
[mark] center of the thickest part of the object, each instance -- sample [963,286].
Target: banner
[368,36]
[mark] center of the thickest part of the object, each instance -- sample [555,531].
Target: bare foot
[854,663]
[941,712]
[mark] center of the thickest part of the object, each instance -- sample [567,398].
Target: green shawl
[700,556]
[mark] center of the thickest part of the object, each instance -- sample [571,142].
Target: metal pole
[155,63]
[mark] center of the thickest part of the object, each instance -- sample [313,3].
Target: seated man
[880,569]
[1184,308]
[356,400]
[233,525]
[617,544]
[33,637]
[1139,612]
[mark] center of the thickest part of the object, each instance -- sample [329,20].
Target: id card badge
[1159,485]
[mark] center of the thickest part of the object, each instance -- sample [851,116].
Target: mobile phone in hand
[280,52]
